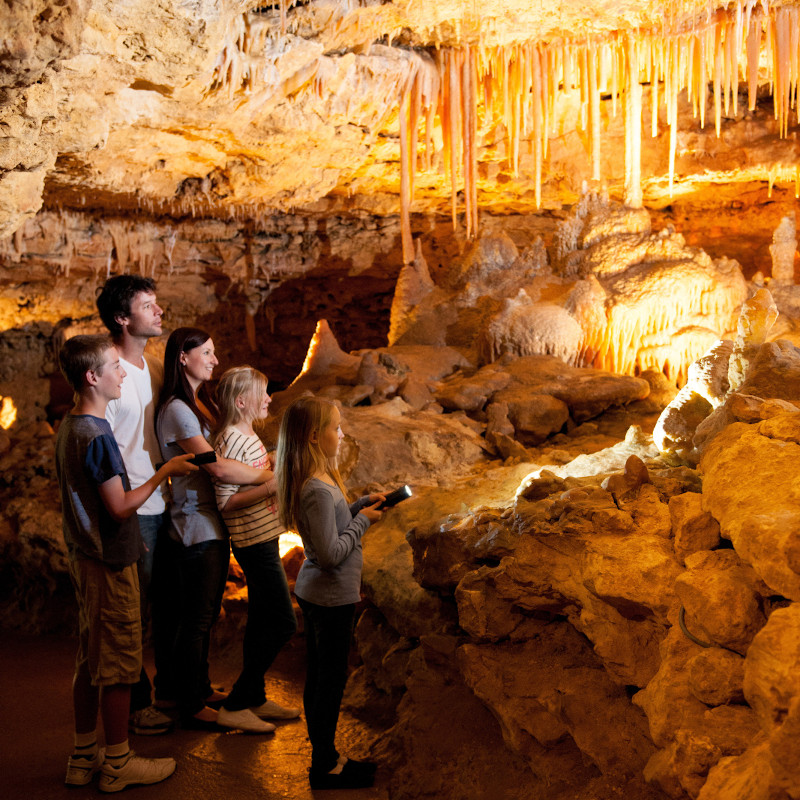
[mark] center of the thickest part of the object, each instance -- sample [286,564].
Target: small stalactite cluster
[518,86]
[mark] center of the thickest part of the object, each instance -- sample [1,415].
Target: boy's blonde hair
[236,382]
[80,354]
[298,458]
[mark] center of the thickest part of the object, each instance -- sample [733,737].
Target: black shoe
[354,775]
[367,767]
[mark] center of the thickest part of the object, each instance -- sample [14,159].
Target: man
[128,308]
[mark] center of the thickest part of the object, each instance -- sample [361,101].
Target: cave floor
[35,740]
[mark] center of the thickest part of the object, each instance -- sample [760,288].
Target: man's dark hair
[115,298]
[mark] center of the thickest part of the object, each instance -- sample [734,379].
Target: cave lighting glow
[8,413]
[288,541]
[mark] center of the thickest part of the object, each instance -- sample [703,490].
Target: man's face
[145,317]
[109,375]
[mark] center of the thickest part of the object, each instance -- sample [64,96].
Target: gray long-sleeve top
[331,531]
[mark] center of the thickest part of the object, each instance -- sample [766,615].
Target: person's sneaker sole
[150,731]
[243,720]
[271,710]
[80,775]
[116,783]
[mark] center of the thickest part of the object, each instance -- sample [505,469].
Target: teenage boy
[103,543]
[128,308]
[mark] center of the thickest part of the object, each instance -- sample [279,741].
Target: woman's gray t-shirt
[331,531]
[193,509]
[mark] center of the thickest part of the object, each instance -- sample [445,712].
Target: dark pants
[271,621]
[329,631]
[199,575]
[166,615]
[149,527]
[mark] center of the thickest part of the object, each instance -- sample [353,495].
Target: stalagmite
[324,355]
[756,319]
[783,249]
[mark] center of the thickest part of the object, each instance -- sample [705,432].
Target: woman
[193,565]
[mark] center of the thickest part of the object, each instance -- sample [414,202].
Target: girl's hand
[374,498]
[371,512]
[181,465]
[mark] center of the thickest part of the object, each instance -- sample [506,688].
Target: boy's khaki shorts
[110,636]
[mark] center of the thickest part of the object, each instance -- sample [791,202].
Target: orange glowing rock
[8,413]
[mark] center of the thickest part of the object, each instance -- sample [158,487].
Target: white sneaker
[80,771]
[135,771]
[271,710]
[149,722]
[244,720]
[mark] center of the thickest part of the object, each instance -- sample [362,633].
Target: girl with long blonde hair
[313,501]
[251,516]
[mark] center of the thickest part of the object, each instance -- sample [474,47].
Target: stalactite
[718,76]
[454,106]
[673,66]
[519,84]
[539,131]
[753,49]
[633,127]
[465,77]
[473,156]
[594,113]
[655,60]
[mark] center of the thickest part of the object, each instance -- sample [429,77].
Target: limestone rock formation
[760,514]
[603,293]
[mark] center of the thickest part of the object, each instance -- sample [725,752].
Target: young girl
[251,515]
[191,566]
[311,499]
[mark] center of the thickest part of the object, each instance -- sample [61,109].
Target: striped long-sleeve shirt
[258,522]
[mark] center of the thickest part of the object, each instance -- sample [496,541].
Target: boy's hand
[371,512]
[181,465]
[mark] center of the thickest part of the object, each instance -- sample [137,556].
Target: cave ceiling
[239,109]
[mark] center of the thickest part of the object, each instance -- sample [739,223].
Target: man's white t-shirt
[132,419]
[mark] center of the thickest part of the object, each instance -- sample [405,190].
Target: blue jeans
[271,620]
[149,527]
[329,630]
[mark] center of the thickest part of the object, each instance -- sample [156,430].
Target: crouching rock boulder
[723,599]
[751,485]
[554,687]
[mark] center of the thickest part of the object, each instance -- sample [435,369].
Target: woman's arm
[225,469]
